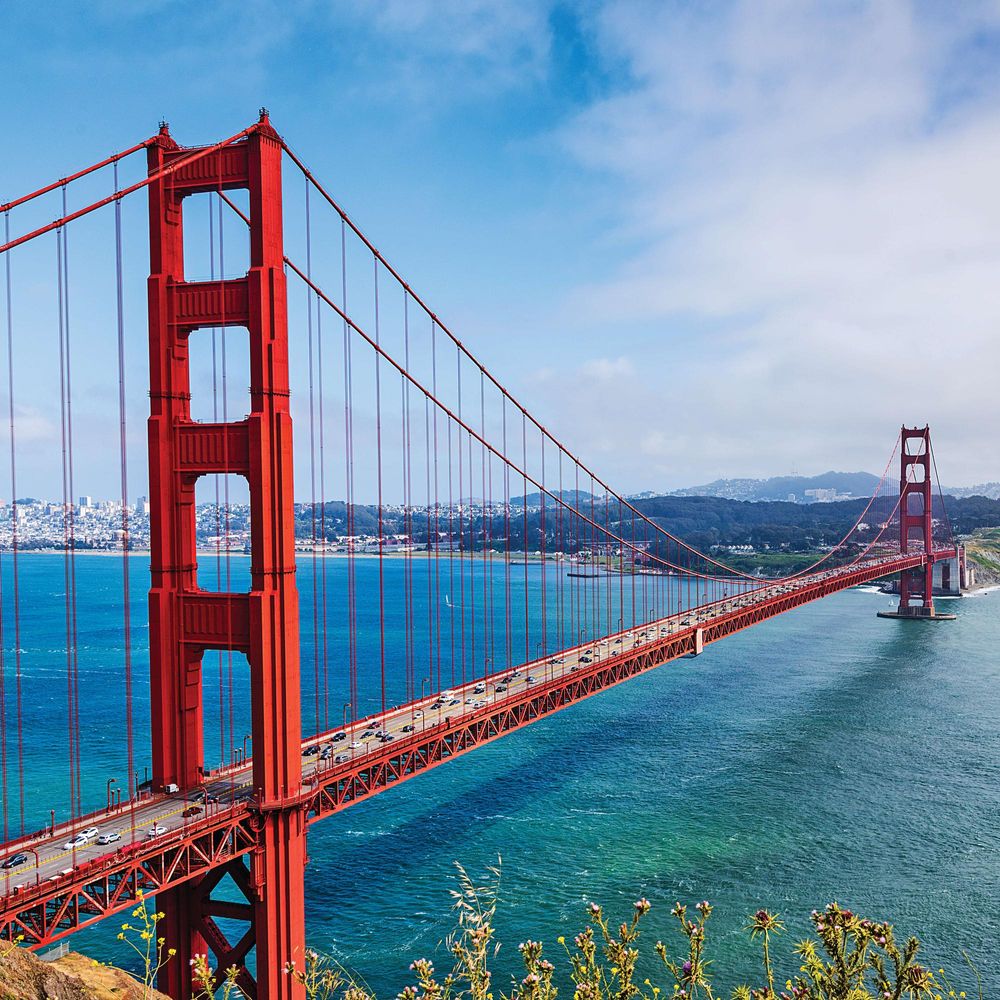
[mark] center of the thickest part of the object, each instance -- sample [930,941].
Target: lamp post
[348,709]
[111,781]
[423,698]
[38,864]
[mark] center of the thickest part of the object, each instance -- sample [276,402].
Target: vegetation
[983,548]
[848,957]
[771,527]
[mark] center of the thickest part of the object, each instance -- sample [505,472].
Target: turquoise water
[824,755]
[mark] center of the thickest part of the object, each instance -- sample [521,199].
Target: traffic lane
[229,788]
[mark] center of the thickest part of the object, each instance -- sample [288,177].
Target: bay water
[825,755]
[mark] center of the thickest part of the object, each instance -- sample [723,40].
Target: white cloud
[812,218]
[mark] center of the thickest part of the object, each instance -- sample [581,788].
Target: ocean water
[826,755]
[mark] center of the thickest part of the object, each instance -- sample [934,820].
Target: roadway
[50,856]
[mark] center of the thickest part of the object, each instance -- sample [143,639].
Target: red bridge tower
[184,620]
[915,521]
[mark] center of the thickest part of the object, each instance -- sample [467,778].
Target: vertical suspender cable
[123,448]
[14,537]
[352,641]
[322,518]
[312,463]
[378,450]
[218,508]
[226,497]
[461,523]
[71,735]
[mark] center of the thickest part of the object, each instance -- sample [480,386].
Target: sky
[698,240]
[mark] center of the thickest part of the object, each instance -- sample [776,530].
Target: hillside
[24,976]
[983,548]
[855,484]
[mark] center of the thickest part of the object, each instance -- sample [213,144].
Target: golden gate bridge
[398,409]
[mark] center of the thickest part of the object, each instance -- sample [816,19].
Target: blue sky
[698,239]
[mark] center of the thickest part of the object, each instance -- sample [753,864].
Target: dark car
[191,811]
[501,687]
[407,728]
[368,734]
[339,737]
[586,659]
[387,737]
[14,860]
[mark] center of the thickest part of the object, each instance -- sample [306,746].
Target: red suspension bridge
[521,582]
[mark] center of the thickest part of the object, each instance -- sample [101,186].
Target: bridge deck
[58,891]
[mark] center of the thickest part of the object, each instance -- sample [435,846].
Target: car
[407,728]
[339,736]
[618,642]
[368,734]
[155,831]
[446,694]
[211,799]
[553,660]
[311,751]
[586,659]
[326,754]
[529,679]
[109,838]
[387,737]
[90,832]
[191,811]
[500,687]
[78,841]
[571,669]
[418,715]
[341,758]
[355,745]
[454,701]
[479,688]
[15,860]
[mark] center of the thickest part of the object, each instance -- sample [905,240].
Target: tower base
[917,614]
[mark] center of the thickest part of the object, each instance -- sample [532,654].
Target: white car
[156,831]
[78,841]
[418,714]
[355,745]
[109,838]
[90,832]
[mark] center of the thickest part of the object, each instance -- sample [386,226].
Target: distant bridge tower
[915,521]
[184,620]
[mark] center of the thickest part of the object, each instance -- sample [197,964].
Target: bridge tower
[185,620]
[915,521]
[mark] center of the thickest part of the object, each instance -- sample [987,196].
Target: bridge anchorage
[619,594]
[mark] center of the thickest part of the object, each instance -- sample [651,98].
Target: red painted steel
[163,864]
[915,519]
[258,842]
[185,621]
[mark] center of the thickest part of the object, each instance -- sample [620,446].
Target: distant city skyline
[697,242]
